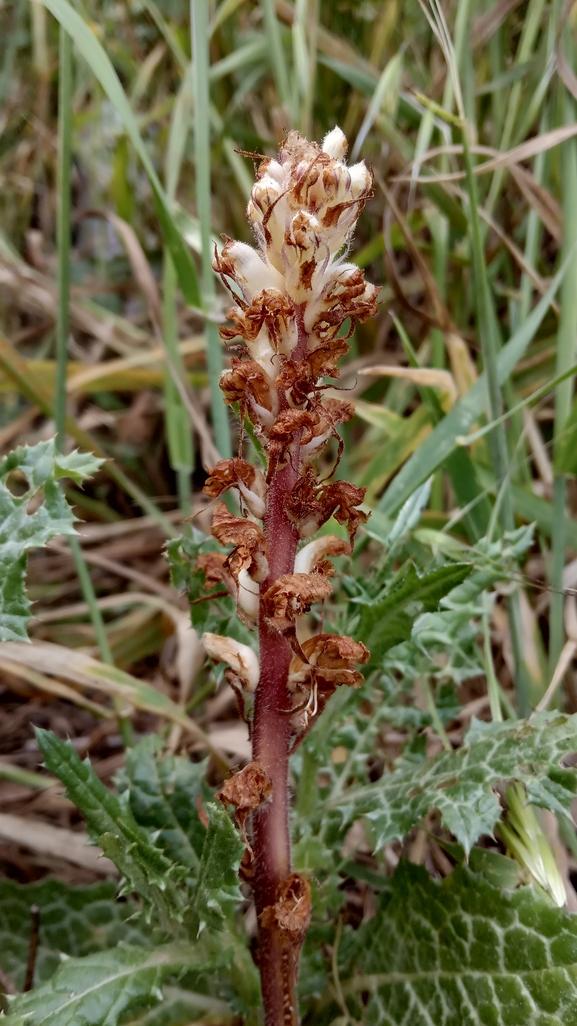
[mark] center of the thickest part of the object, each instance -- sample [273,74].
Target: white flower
[239,657]
[335,144]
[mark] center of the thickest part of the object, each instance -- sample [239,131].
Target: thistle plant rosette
[292,296]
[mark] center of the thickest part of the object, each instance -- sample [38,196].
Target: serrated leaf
[218,892]
[459,784]
[462,952]
[146,869]
[163,795]
[74,920]
[102,989]
[388,621]
[77,465]
[21,530]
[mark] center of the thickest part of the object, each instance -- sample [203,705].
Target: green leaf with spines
[20,530]
[164,795]
[104,988]
[463,953]
[74,920]
[76,465]
[218,892]
[388,620]
[146,869]
[460,783]
[153,833]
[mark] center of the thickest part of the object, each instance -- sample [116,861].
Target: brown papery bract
[247,791]
[294,297]
[249,551]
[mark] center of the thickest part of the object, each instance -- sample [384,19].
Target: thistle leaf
[164,796]
[462,952]
[146,869]
[460,783]
[389,620]
[104,988]
[20,530]
[218,892]
[76,921]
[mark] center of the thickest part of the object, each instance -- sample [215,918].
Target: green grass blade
[277,56]
[63,232]
[566,337]
[98,60]
[200,39]
[63,322]
[178,426]
[434,451]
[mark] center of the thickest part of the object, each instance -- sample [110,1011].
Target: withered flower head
[303,210]
[292,294]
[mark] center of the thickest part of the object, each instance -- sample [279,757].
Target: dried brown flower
[212,565]
[324,662]
[310,505]
[292,595]
[291,912]
[249,551]
[241,474]
[247,790]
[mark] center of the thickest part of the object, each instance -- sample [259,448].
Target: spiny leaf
[21,530]
[77,465]
[389,620]
[164,795]
[102,989]
[461,953]
[146,869]
[460,783]
[218,892]
[74,920]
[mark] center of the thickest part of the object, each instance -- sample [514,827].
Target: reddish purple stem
[271,743]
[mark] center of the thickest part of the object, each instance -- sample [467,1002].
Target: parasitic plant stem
[292,297]
[271,745]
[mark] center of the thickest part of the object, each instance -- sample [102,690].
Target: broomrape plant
[295,293]
[490,941]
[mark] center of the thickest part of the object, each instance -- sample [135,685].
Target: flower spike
[292,295]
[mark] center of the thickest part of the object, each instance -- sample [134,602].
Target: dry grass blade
[333,46]
[485,25]
[105,375]
[536,280]
[419,376]
[139,264]
[17,426]
[35,293]
[462,365]
[566,73]
[543,203]
[538,144]
[144,580]
[56,843]
[92,533]
[53,687]
[441,317]
[86,672]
